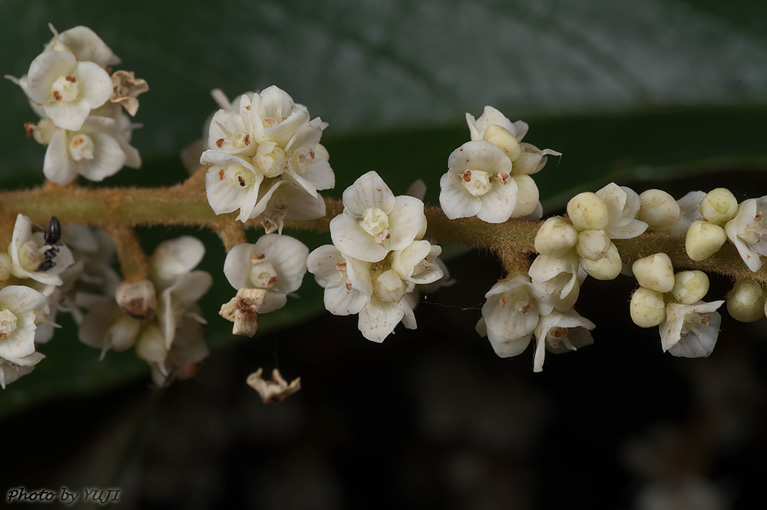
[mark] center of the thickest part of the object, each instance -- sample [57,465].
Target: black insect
[52,238]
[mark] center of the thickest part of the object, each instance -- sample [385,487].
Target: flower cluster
[489,177]
[688,326]
[263,274]
[71,86]
[159,315]
[31,272]
[266,159]
[378,258]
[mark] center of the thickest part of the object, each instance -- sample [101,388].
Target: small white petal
[455,199]
[405,221]
[349,237]
[369,191]
[378,319]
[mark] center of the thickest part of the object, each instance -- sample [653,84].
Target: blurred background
[660,93]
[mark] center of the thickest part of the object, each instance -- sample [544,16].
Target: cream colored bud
[556,237]
[531,159]
[659,210]
[690,287]
[719,206]
[151,345]
[137,299]
[606,268]
[588,212]
[647,308]
[704,239]
[527,196]
[501,138]
[746,301]
[655,272]
[593,244]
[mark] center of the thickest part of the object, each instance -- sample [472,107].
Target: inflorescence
[264,165]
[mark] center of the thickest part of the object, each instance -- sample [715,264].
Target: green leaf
[654,90]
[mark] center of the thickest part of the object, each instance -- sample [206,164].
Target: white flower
[691,331]
[84,44]
[257,147]
[511,314]
[67,89]
[492,117]
[27,252]
[748,231]
[478,183]
[20,307]
[559,277]
[276,117]
[374,221]
[181,360]
[99,149]
[560,332]
[689,211]
[10,372]
[623,206]
[275,263]
[178,286]
[231,129]
[382,294]
[346,280]
[105,326]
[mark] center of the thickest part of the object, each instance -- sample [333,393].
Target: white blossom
[97,150]
[27,252]
[623,206]
[20,309]
[691,331]
[66,89]
[559,277]
[560,332]
[84,44]
[478,183]
[511,314]
[275,263]
[11,371]
[374,221]
[748,231]
[492,117]
[258,144]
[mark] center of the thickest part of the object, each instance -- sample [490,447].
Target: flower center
[518,299]
[376,223]
[262,273]
[693,322]
[65,89]
[388,286]
[240,176]
[476,182]
[30,256]
[7,323]
[270,159]
[81,147]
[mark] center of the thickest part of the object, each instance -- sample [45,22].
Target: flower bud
[606,268]
[588,212]
[647,308]
[746,301]
[501,138]
[137,299]
[655,272]
[593,244]
[703,240]
[659,210]
[527,196]
[690,287]
[719,206]
[556,237]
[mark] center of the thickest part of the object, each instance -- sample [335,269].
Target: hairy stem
[186,205]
